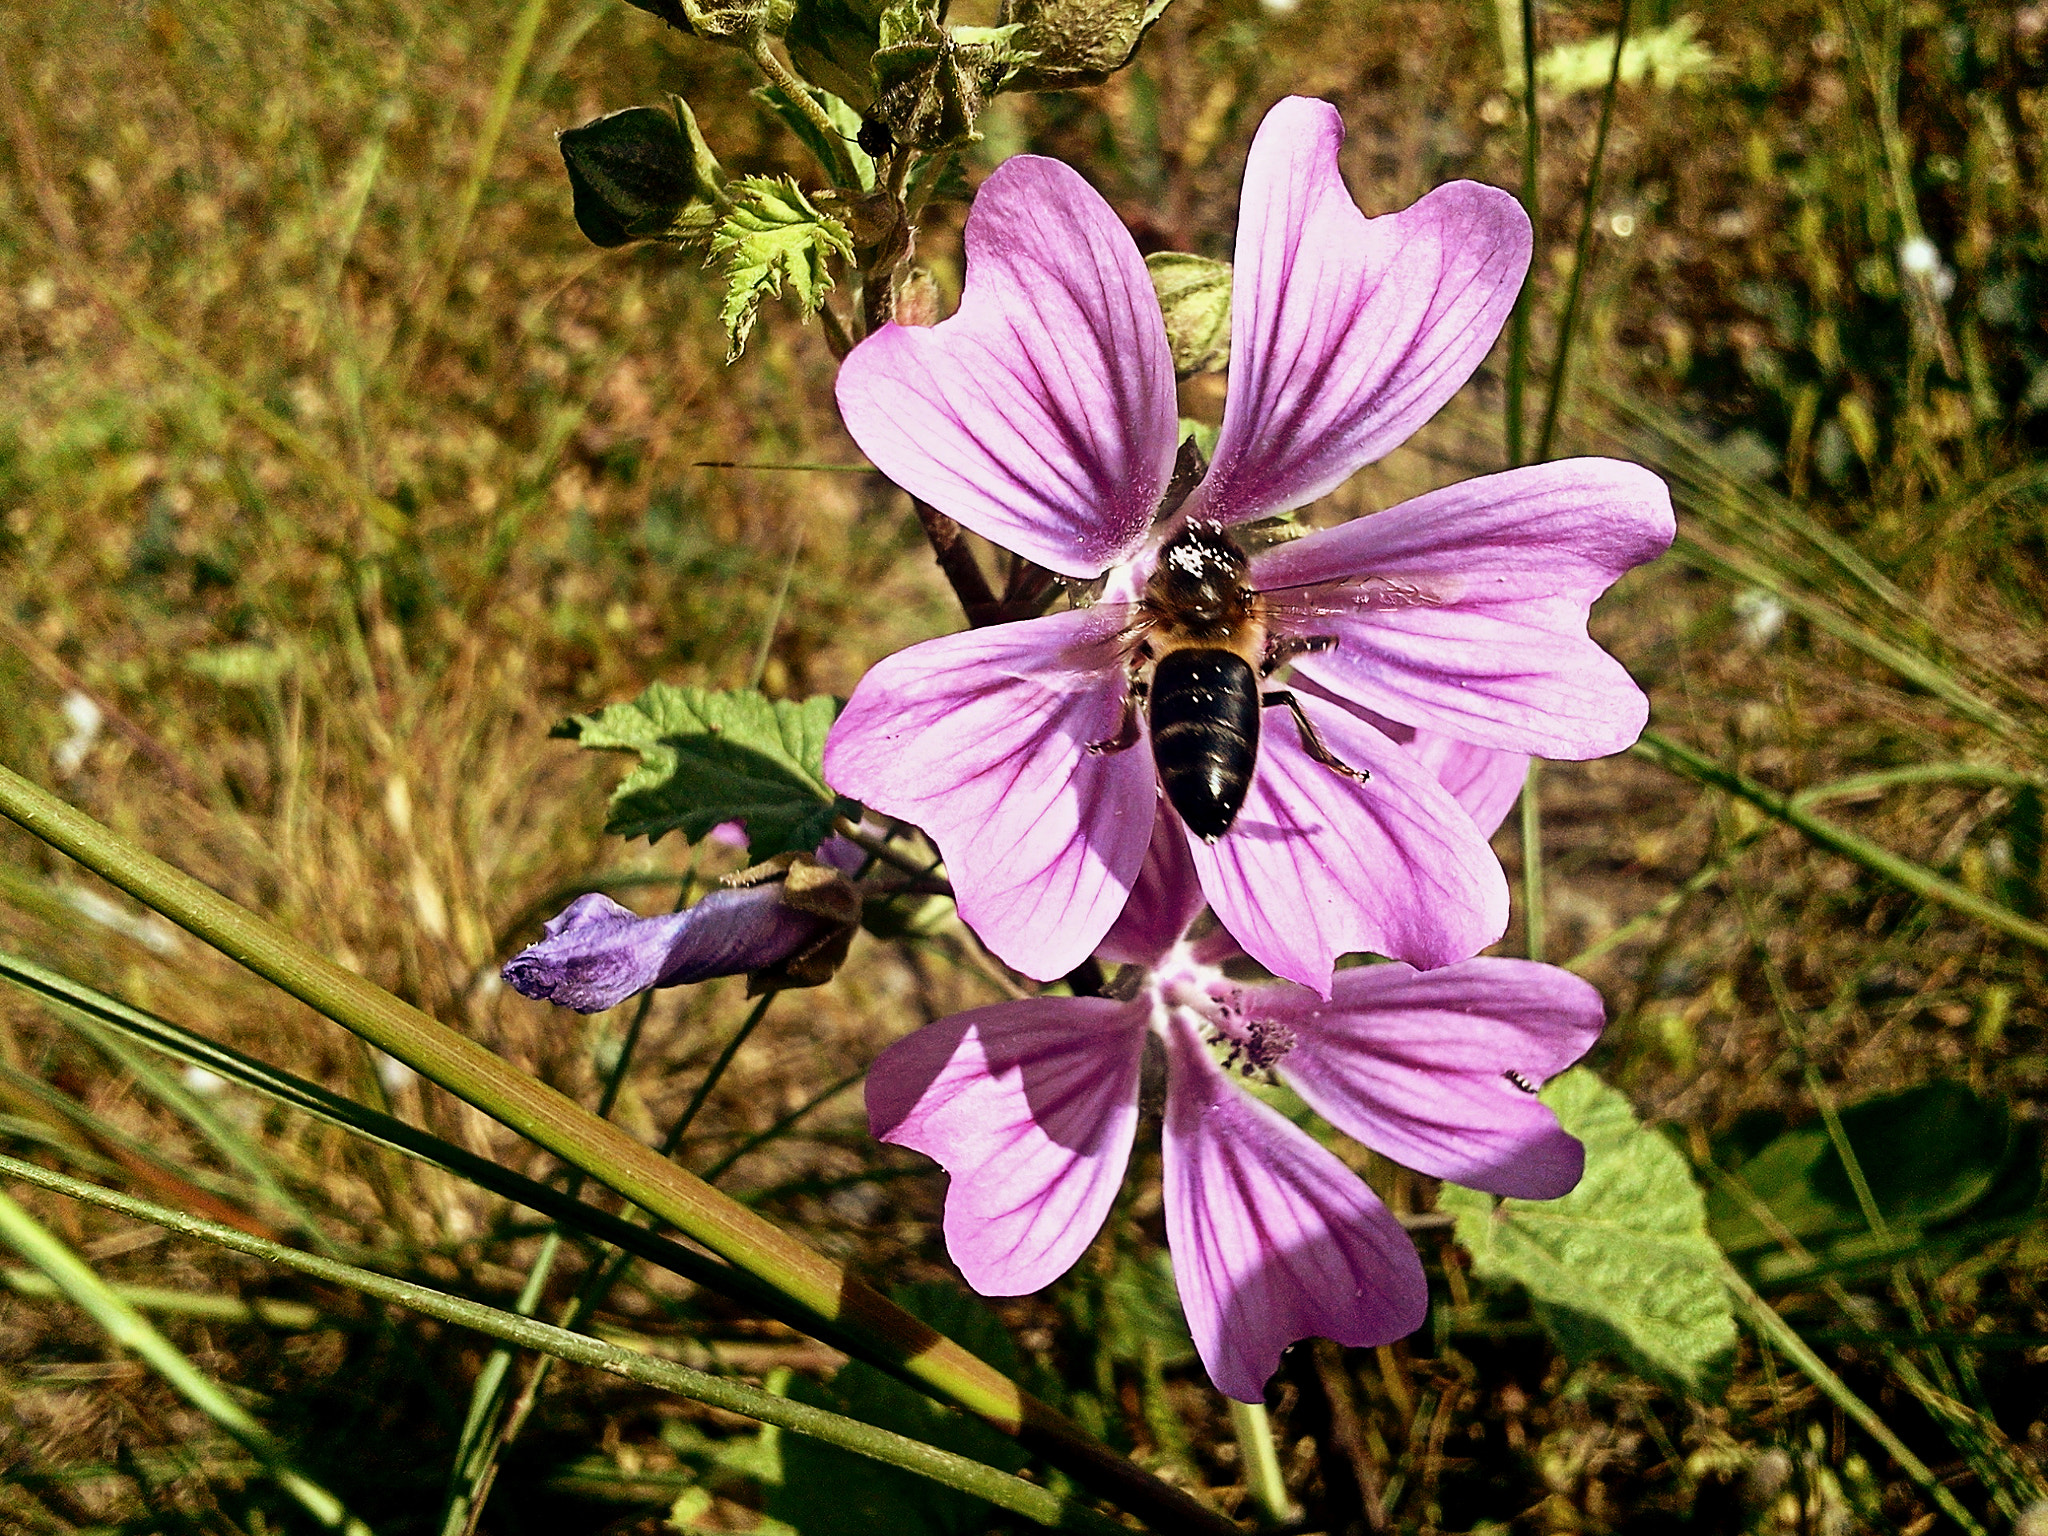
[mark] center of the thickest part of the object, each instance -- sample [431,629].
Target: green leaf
[707,758]
[772,234]
[1074,43]
[642,174]
[828,151]
[1622,1265]
[825,1491]
[1194,296]
[1932,1154]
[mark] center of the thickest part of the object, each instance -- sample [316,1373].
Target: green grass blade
[473,1074]
[211,1306]
[1560,371]
[1525,301]
[999,1488]
[1782,1336]
[236,1148]
[1533,914]
[128,1328]
[1917,878]
[389,1131]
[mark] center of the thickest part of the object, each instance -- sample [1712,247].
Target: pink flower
[1032,1107]
[1042,416]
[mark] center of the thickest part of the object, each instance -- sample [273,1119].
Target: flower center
[1210,1003]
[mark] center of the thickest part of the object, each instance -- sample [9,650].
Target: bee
[1519,1081]
[876,137]
[1209,641]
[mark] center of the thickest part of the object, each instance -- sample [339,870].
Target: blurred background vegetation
[336,467]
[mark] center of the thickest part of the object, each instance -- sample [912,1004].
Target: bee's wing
[1292,608]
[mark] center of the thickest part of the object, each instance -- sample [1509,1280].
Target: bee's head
[1200,569]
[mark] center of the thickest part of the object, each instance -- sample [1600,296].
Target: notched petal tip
[1031,1107]
[1042,414]
[1273,1239]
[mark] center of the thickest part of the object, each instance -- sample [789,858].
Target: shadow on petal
[1031,1107]
[1273,1238]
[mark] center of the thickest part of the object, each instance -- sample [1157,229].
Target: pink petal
[1347,333]
[1318,865]
[982,739]
[1415,1064]
[1030,1106]
[1484,780]
[1273,1238]
[1489,643]
[1042,414]
[1165,900]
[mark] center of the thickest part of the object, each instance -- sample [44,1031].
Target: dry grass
[334,502]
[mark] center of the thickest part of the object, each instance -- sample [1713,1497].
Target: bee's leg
[1282,649]
[1311,739]
[1126,735]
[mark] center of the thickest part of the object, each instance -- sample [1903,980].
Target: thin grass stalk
[598,1283]
[493,1422]
[333,1109]
[999,1488]
[1778,1333]
[212,1307]
[504,92]
[129,1329]
[1838,1137]
[1903,872]
[1518,326]
[1983,1446]
[1913,665]
[228,1140]
[1560,371]
[816,1284]
[1532,859]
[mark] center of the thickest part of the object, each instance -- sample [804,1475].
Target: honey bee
[1519,1081]
[1209,641]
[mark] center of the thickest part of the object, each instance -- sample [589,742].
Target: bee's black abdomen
[1204,716]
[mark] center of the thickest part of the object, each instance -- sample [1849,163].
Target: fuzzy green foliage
[709,757]
[1623,1265]
[773,234]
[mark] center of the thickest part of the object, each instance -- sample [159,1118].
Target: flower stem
[1254,1431]
[816,1284]
[998,1488]
[962,570]
[1532,859]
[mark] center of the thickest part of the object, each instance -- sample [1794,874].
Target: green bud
[1076,42]
[931,82]
[642,174]
[1194,296]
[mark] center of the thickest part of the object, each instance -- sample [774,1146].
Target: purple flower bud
[789,919]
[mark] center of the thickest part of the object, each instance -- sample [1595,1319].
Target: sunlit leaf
[1622,1266]
[1194,296]
[773,235]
